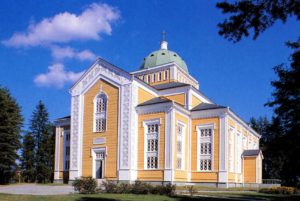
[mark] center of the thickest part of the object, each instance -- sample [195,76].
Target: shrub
[123,188]
[279,190]
[138,188]
[141,188]
[110,187]
[85,185]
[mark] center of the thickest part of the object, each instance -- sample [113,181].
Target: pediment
[100,69]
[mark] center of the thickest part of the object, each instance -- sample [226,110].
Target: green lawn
[130,197]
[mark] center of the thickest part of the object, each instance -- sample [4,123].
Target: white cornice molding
[155,108]
[245,125]
[209,113]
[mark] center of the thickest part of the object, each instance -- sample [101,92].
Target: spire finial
[164,33]
[163,43]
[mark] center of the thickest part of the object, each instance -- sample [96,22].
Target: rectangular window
[166,75]
[151,145]
[148,78]
[159,76]
[205,152]
[239,153]
[180,146]
[153,77]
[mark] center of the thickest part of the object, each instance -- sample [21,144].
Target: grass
[211,196]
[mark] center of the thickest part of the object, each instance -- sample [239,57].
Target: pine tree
[27,159]
[10,128]
[43,136]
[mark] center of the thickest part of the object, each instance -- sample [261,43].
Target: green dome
[163,56]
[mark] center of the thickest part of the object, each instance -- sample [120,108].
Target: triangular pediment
[100,69]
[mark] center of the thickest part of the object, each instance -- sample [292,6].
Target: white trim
[94,151]
[198,129]
[146,123]
[105,113]
[183,145]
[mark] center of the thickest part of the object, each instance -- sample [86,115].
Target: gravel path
[35,189]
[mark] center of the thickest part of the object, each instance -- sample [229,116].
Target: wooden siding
[211,176]
[111,133]
[151,175]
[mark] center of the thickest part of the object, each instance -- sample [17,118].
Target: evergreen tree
[10,128]
[255,15]
[27,159]
[43,136]
[286,104]
[284,134]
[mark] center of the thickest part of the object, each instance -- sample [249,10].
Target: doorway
[99,164]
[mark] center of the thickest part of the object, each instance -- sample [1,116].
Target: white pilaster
[223,149]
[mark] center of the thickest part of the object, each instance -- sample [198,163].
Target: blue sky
[46,44]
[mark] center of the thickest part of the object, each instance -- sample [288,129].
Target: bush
[110,187]
[85,185]
[138,188]
[279,190]
[141,188]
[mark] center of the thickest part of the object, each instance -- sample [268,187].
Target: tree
[10,127]
[27,159]
[44,143]
[286,104]
[256,16]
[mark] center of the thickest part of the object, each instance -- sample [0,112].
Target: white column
[223,149]
[57,153]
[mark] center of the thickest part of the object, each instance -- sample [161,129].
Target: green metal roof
[163,56]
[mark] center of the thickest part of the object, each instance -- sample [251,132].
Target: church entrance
[99,164]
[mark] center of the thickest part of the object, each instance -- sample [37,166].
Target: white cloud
[59,53]
[65,27]
[56,76]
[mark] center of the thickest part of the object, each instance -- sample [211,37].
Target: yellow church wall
[250,170]
[201,176]
[178,98]
[195,101]
[181,175]
[158,174]
[144,96]
[111,133]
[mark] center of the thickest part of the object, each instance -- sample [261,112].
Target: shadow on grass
[95,199]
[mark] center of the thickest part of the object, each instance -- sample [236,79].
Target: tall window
[180,146]
[151,145]
[159,76]
[153,77]
[205,153]
[239,153]
[100,113]
[166,75]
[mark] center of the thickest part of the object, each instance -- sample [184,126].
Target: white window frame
[182,139]
[94,152]
[159,76]
[154,77]
[199,128]
[146,123]
[94,115]
[166,75]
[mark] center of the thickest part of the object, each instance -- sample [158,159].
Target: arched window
[100,108]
